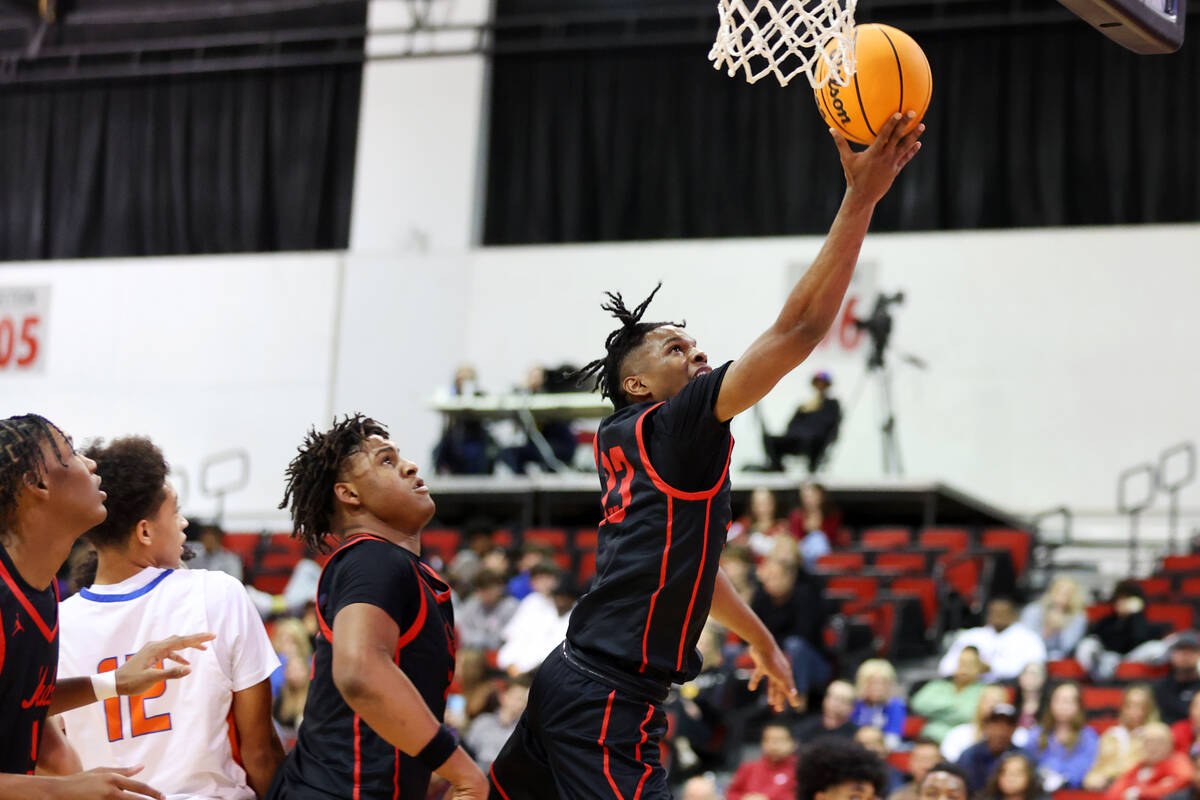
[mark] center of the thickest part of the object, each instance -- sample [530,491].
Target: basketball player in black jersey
[50,495]
[385,655]
[594,719]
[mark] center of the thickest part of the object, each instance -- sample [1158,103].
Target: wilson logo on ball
[839,107]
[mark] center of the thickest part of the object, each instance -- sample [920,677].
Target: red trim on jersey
[600,741]
[496,783]
[638,751]
[47,631]
[439,597]
[662,485]
[662,581]
[357,759]
[687,620]
[327,631]
[3,643]
[418,623]
[396,777]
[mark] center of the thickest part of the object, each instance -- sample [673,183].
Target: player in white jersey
[210,736]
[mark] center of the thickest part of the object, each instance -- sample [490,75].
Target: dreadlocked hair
[313,472]
[134,473]
[22,460]
[606,372]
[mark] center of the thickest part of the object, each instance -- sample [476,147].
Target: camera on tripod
[879,327]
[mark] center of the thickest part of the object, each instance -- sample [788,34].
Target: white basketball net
[785,39]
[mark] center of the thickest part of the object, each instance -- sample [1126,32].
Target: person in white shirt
[1003,643]
[540,622]
[210,736]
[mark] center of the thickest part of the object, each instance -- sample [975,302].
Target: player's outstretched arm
[364,642]
[98,784]
[143,669]
[769,661]
[812,305]
[258,744]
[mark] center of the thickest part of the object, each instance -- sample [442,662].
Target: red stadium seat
[862,588]
[1099,611]
[1156,588]
[1066,669]
[913,726]
[587,566]
[585,539]
[1018,543]
[444,542]
[1177,615]
[1097,698]
[925,590]
[1185,563]
[903,562]
[953,539]
[885,538]
[899,760]
[1078,794]
[1190,587]
[962,573]
[550,537]
[503,537]
[840,561]
[1140,672]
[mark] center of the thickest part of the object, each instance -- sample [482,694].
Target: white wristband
[104,684]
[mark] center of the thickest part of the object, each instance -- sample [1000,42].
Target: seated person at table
[811,430]
[466,447]
[558,433]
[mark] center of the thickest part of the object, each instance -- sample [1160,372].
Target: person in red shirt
[1187,731]
[772,777]
[1161,772]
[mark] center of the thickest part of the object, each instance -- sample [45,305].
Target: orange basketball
[892,74]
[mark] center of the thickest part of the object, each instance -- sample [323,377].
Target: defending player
[50,495]
[138,593]
[385,655]
[594,719]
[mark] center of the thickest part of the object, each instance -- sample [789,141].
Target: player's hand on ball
[870,172]
[147,666]
[103,784]
[772,664]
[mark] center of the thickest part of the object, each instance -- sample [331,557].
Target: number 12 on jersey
[139,723]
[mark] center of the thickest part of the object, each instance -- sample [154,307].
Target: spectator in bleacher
[489,731]
[839,769]
[1014,779]
[1121,745]
[1161,771]
[760,527]
[557,433]
[960,737]
[947,702]
[1063,745]
[1192,790]
[1123,635]
[483,615]
[945,781]
[701,787]
[1058,617]
[773,775]
[737,562]
[790,604]
[540,622]
[1173,693]
[468,561]
[924,756]
[1004,644]
[1187,731]
[871,737]
[1032,694]
[879,703]
[810,431]
[213,554]
[697,710]
[472,692]
[294,649]
[465,447]
[980,759]
[834,719]
[532,554]
[816,513]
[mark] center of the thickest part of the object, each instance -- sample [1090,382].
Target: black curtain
[1028,127]
[227,162]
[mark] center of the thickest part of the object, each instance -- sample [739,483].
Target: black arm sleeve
[375,573]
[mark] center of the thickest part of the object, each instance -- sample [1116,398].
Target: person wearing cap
[1161,771]
[980,759]
[1175,691]
[811,430]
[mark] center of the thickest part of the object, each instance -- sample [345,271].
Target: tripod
[879,327]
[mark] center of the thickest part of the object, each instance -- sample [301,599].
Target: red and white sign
[24,316]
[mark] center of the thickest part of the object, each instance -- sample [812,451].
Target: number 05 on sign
[23,318]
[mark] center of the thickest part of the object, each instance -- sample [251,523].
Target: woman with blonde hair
[1064,746]
[1120,748]
[960,737]
[879,704]
[1058,617]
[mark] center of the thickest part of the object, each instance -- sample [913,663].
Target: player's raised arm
[812,305]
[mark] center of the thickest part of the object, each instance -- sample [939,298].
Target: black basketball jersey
[664,476]
[336,753]
[28,665]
